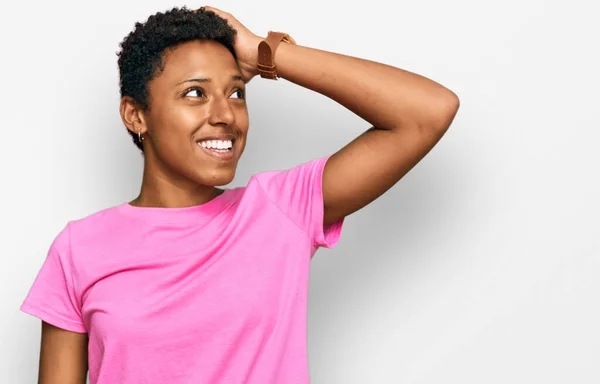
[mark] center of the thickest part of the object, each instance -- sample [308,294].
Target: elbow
[434,114]
[446,108]
[454,103]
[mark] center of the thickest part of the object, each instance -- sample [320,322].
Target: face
[197,122]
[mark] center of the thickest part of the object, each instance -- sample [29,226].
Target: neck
[164,188]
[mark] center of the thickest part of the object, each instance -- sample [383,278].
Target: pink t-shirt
[215,293]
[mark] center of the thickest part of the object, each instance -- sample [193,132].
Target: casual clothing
[215,293]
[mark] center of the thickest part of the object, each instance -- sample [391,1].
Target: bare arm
[409,114]
[63,356]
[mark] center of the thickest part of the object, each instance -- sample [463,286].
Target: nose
[221,112]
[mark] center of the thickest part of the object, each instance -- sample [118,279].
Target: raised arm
[63,356]
[409,114]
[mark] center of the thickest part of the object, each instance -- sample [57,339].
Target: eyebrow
[208,79]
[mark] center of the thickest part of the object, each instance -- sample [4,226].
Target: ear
[132,115]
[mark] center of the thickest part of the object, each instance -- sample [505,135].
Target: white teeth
[217,144]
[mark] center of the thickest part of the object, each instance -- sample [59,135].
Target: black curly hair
[141,55]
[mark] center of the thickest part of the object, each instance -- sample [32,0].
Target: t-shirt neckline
[207,209]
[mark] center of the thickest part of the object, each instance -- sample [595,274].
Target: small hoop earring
[140,138]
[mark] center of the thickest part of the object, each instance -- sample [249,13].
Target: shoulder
[95,220]
[89,229]
[288,179]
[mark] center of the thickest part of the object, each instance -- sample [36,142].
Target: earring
[140,138]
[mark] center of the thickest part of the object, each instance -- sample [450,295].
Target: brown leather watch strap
[266,53]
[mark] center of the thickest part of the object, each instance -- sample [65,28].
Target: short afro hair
[142,51]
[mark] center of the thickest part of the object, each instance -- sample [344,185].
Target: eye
[238,94]
[194,92]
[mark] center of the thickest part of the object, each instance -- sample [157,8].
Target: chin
[215,177]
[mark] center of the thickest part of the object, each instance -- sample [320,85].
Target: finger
[212,9]
[230,19]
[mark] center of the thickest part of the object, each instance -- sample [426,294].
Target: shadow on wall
[400,234]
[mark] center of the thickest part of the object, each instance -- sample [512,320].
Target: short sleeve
[52,297]
[299,193]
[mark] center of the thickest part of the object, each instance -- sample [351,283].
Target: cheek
[188,119]
[241,118]
[242,122]
[176,125]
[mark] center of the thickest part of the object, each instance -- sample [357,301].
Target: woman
[190,283]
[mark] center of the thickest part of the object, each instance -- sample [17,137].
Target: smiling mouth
[221,149]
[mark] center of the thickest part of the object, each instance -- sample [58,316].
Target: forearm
[385,96]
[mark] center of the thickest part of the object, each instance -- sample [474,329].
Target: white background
[480,266]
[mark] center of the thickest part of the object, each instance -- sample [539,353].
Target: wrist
[254,54]
[267,50]
[248,56]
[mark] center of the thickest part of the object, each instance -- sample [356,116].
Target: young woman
[191,283]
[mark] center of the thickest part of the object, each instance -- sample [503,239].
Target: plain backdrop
[482,265]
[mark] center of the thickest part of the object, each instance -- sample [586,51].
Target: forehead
[192,58]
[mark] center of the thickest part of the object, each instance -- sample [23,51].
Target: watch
[266,53]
